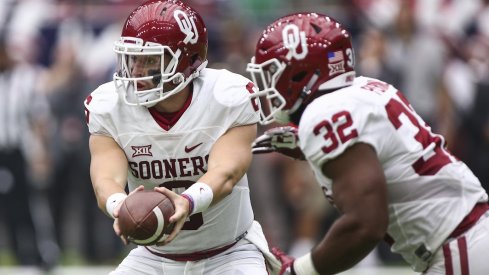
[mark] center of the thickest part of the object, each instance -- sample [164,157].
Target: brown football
[144,217]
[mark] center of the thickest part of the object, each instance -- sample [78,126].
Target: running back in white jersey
[177,157]
[429,190]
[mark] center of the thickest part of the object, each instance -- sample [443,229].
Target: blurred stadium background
[435,51]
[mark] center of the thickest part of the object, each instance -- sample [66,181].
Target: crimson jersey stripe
[254,103]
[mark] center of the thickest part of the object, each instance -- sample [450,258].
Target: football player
[376,160]
[166,122]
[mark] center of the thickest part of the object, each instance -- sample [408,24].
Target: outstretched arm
[229,160]
[108,169]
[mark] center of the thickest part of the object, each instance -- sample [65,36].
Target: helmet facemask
[272,103]
[146,72]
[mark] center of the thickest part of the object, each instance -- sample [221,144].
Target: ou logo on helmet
[187,26]
[293,38]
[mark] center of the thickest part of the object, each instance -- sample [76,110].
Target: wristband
[190,202]
[112,201]
[200,195]
[304,265]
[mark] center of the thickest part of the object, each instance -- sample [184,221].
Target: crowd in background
[436,52]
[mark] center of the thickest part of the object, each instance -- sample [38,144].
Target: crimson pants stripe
[464,260]
[447,254]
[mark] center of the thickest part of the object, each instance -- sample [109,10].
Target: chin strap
[202,66]
[306,91]
[195,74]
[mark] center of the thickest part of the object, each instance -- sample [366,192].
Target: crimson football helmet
[296,56]
[163,46]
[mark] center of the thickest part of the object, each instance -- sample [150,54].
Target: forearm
[229,160]
[211,188]
[103,189]
[108,169]
[222,181]
[345,244]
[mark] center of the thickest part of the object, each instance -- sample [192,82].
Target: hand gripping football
[144,217]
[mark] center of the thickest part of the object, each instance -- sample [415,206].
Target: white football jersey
[429,190]
[177,157]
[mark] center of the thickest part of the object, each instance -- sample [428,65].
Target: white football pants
[243,258]
[465,255]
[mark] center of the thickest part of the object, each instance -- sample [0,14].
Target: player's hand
[115,225]
[181,213]
[282,140]
[286,260]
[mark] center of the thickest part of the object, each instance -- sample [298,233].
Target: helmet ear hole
[194,58]
[298,77]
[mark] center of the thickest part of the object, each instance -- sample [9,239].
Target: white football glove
[282,140]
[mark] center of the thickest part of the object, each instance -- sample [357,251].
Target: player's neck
[175,102]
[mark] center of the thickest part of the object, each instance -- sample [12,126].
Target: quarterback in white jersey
[177,157]
[169,124]
[375,159]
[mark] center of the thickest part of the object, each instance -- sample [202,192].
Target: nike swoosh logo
[190,149]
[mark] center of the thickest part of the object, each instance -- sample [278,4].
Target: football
[144,217]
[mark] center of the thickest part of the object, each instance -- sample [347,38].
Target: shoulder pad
[103,99]
[232,89]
